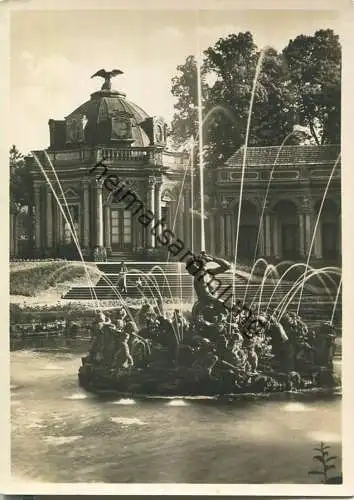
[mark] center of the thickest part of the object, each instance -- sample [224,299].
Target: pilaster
[222,234]
[37,204]
[151,206]
[99,214]
[49,216]
[157,203]
[267,234]
[86,214]
[107,228]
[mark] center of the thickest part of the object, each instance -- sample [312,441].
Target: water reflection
[62,434]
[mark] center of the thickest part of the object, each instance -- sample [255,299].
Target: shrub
[31,280]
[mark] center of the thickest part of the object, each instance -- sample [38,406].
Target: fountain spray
[255,79]
[201,159]
[336,302]
[261,219]
[316,225]
[70,223]
[192,192]
[192,202]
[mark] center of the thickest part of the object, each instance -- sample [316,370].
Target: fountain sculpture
[218,350]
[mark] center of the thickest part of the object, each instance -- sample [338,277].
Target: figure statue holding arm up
[205,284]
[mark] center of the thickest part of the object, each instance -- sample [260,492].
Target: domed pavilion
[107,136]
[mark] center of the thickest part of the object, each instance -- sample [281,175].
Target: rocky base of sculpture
[182,381]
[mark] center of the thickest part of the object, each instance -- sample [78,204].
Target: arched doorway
[328,232]
[287,234]
[249,223]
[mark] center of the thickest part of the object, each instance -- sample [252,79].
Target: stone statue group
[234,346]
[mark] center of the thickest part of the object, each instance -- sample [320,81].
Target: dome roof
[99,111]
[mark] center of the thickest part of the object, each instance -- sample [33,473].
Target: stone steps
[170,280]
[174,290]
[183,284]
[145,267]
[314,311]
[161,279]
[185,290]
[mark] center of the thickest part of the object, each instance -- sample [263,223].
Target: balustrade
[111,154]
[152,156]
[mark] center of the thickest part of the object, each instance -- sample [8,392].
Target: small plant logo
[326,463]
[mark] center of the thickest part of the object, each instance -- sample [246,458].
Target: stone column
[151,207]
[233,233]
[276,237]
[308,213]
[180,217]
[318,241]
[137,228]
[171,214]
[158,187]
[301,235]
[56,216]
[60,224]
[49,217]
[86,215]
[212,236]
[267,232]
[138,231]
[99,214]
[192,230]
[308,232]
[261,241]
[187,219]
[228,235]
[107,228]
[37,203]
[222,234]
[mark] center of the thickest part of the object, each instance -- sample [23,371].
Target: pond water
[62,434]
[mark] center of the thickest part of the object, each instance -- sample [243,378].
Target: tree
[21,199]
[314,75]
[185,88]
[20,181]
[232,62]
[299,86]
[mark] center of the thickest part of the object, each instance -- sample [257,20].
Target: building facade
[298,191]
[284,190]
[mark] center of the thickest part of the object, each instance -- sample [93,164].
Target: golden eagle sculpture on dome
[107,75]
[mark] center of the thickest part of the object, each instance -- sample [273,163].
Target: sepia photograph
[175,246]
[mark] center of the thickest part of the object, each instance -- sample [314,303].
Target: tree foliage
[185,88]
[301,85]
[20,181]
[314,72]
